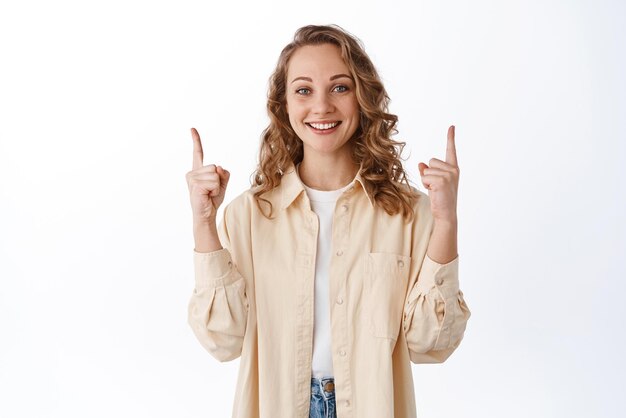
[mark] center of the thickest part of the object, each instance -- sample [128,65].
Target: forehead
[316,61]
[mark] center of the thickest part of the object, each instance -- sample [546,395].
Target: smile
[323,127]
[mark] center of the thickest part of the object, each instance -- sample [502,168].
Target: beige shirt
[390,303]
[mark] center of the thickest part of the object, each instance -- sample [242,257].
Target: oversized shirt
[390,304]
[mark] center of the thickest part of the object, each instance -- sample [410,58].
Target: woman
[331,273]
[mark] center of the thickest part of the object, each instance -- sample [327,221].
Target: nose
[323,104]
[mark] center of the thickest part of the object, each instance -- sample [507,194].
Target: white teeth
[323,125]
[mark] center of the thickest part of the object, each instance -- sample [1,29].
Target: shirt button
[342,353]
[339,253]
[339,301]
[345,208]
[347,403]
[400,263]
[439,281]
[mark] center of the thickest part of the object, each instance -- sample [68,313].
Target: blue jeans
[323,398]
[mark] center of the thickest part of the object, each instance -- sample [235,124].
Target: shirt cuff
[443,276]
[213,269]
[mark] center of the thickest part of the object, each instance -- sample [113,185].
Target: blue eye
[343,87]
[303,88]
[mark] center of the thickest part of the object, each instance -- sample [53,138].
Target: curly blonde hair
[373,148]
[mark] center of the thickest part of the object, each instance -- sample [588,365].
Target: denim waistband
[323,384]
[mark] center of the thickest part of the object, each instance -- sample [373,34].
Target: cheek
[357,108]
[293,119]
[294,112]
[352,107]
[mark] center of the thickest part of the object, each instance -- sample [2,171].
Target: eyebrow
[336,76]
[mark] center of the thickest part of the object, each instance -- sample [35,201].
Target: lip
[322,121]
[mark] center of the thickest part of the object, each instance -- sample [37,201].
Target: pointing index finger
[198,155]
[451,149]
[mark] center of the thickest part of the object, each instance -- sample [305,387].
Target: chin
[324,149]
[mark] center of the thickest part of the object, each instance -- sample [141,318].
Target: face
[321,99]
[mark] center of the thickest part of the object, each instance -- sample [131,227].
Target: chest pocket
[386,277]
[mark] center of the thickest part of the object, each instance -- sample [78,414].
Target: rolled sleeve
[435,314]
[218,308]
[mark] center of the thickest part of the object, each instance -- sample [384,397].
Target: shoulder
[246,202]
[421,203]
[241,202]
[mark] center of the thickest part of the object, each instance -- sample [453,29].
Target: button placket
[340,243]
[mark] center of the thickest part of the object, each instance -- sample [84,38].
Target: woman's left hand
[442,181]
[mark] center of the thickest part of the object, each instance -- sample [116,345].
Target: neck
[328,173]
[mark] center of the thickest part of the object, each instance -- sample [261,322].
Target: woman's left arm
[435,312]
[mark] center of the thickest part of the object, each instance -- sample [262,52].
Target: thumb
[224,175]
[421,167]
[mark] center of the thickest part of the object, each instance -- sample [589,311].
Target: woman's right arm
[218,307]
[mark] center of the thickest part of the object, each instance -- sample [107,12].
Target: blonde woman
[331,274]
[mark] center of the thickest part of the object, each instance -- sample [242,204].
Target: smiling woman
[324,73]
[331,274]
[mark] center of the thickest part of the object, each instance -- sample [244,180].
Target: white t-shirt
[323,204]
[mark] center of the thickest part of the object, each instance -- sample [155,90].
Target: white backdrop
[96,102]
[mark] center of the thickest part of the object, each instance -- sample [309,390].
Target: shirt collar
[292,187]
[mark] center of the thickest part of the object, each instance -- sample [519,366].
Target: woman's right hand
[207,185]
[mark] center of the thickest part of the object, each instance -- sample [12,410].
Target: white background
[96,102]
